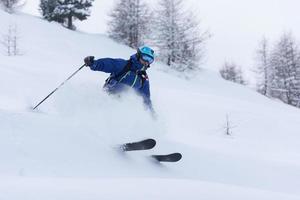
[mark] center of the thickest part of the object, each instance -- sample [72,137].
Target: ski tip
[174,157]
[151,142]
[145,144]
[177,156]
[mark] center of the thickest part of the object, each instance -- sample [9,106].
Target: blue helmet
[146,53]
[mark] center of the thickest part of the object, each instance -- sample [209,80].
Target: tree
[10,5]
[66,11]
[228,126]
[178,36]
[285,62]
[129,22]
[47,8]
[231,72]
[10,41]
[262,69]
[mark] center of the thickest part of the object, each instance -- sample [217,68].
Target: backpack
[113,79]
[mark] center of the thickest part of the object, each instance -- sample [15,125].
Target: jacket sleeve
[145,90]
[108,65]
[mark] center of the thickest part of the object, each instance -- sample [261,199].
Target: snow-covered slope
[66,149]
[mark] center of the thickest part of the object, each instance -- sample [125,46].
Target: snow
[66,149]
[69,188]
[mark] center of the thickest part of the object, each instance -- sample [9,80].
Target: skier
[126,73]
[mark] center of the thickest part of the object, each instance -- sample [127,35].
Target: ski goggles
[147,58]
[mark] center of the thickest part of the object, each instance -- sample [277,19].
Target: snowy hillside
[66,149]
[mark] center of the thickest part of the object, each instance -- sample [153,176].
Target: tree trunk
[70,23]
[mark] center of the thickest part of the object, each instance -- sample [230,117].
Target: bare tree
[178,36]
[262,68]
[228,127]
[130,22]
[10,5]
[10,41]
[285,63]
[231,72]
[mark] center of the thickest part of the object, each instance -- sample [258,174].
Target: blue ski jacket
[132,78]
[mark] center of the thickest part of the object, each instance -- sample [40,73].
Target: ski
[174,157]
[149,144]
[140,145]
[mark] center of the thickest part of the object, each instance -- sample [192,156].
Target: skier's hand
[89,60]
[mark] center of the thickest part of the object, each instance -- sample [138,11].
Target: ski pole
[59,86]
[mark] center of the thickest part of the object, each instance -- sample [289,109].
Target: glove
[89,60]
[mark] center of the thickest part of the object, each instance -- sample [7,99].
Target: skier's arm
[108,65]
[146,97]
